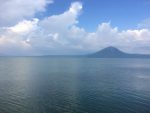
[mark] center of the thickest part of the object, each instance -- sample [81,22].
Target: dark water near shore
[74,85]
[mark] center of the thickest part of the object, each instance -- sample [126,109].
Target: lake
[74,85]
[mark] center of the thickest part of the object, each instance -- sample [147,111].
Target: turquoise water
[74,85]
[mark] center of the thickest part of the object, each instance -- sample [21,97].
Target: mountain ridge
[112,52]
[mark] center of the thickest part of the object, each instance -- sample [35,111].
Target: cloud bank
[60,34]
[12,11]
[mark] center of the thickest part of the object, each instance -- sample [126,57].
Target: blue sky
[73,26]
[122,13]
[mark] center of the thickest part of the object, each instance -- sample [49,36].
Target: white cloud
[59,34]
[62,21]
[12,11]
[128,40]
[49,33]
[24,26]
[75,8]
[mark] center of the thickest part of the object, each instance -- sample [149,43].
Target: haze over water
[74,85]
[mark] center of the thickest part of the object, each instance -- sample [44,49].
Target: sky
[59,27]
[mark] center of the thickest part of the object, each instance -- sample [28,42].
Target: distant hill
[112,52]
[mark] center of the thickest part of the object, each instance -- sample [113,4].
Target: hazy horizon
[84,54]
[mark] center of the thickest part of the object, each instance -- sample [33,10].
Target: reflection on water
[74,85]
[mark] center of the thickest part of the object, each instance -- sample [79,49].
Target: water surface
[74,85]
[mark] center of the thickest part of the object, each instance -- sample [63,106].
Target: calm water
[74,85]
